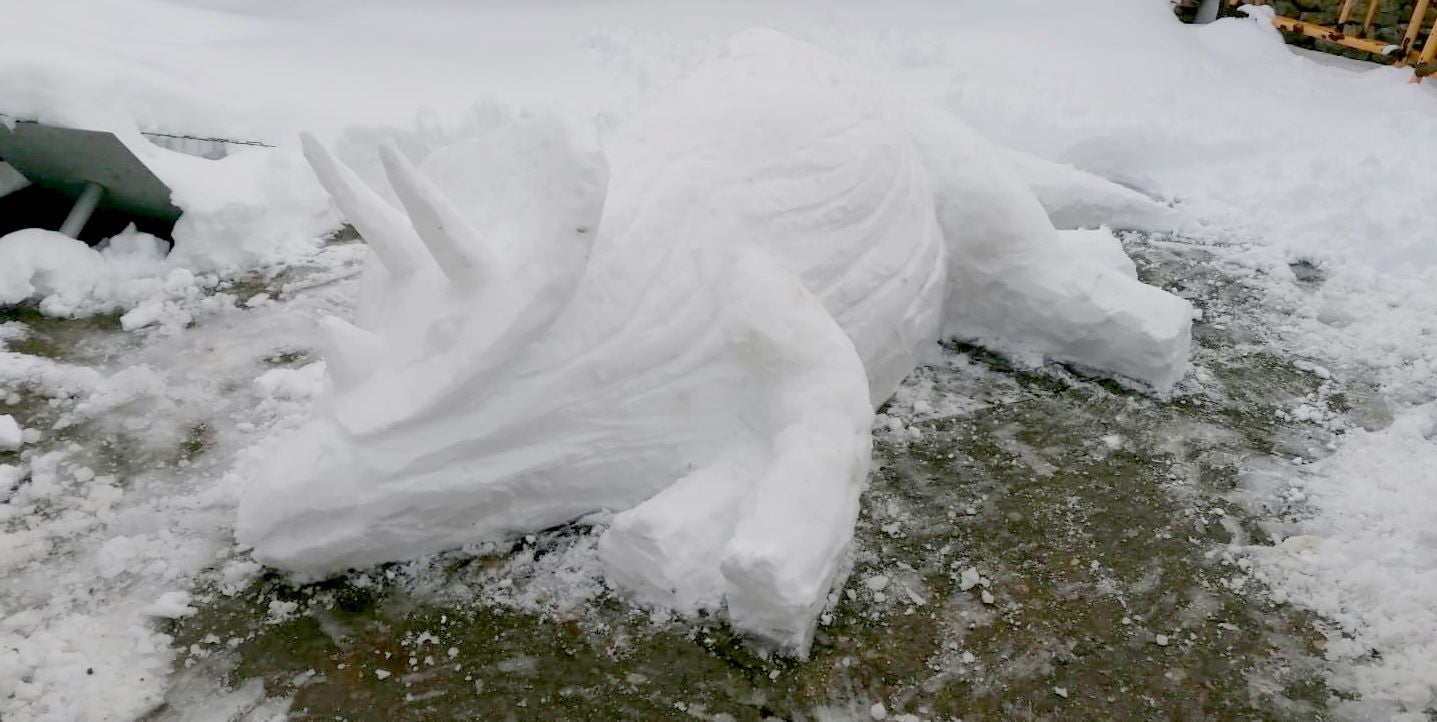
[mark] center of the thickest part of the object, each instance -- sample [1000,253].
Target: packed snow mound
[69,279]
[696,342]
[1366,559]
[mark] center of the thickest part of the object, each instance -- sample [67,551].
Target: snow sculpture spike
[383,228]
[460,252]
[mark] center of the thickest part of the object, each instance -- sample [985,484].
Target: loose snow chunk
[970,578]
[291,384]
[10,434]
[36,263]
[171,605]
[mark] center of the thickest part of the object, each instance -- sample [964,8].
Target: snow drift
[696,341]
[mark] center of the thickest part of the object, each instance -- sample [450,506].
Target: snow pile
[96,537]
[1367,560]
[70,278]
[249,210]
[703,359]
[1221,118]
[252,208]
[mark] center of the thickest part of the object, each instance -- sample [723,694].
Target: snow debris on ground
[171,605]
[1335,243]
[107,484]
[1363,554]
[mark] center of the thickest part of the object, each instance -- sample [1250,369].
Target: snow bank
[1367,560]
[704,358]
[254,207]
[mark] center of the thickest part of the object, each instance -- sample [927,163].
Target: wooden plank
[1346,12]
[1372,6]
[1293,25]
[1429,51]
[1414,26]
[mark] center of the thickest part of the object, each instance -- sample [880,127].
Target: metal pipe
[84,206]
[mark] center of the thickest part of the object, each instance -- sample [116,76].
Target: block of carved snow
[1101,246]
[1075,198]
[1015,285]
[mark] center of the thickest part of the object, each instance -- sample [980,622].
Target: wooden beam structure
[1322,32]
[1403,54]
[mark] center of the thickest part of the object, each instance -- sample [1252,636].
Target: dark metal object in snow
[91,166]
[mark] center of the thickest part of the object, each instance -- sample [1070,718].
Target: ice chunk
[171,605]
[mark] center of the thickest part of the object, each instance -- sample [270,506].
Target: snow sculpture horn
[453,243]
[385,229]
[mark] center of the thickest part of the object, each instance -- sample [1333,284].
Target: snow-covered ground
[1311,183]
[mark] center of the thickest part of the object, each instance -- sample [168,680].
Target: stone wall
[1389,25]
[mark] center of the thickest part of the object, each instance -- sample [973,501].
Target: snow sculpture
[697,342]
